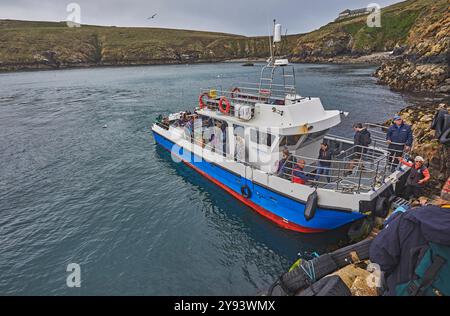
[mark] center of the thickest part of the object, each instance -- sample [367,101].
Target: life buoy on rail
[227,103]
[235,90]
[201,103]
[246,192]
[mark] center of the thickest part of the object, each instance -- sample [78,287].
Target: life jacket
[416,175]
[431,273]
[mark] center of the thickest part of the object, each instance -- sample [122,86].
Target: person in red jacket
[417,179]
[298,173]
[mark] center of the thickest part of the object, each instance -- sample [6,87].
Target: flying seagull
[153,16]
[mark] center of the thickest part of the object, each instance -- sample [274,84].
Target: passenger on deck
[189,128]
[240,149]
[417,179]
[324,163]
[217,138]
[284,167]
[298,173]
[223,128]
[362,140]
[400,138]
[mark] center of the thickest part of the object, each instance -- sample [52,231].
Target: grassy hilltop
[39,45]
[352,36]
[27,44]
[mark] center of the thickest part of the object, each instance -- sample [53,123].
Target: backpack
[431,274]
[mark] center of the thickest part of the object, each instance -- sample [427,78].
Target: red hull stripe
[277,219]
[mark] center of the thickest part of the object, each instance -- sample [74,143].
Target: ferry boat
[236,138]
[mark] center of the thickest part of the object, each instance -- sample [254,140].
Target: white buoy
[105,126]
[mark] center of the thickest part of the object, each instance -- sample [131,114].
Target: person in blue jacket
[399,138]
[399,247]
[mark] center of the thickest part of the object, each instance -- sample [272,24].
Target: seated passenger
[298,173]
[417,179]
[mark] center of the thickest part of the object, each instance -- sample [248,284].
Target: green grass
[28,42]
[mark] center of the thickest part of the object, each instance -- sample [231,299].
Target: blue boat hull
[281,209]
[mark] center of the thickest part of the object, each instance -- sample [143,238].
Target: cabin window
[312,138]
[290,140]
[261,138]
[293,140]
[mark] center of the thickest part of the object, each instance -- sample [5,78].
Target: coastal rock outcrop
[423,64]
[426,144]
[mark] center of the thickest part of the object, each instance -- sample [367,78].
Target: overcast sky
[246,17]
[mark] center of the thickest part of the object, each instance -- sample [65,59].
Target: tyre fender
[381,207]
[311,206]
[246,192]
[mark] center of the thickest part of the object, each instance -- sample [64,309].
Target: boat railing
[378,133]
[245,94]
[358,169]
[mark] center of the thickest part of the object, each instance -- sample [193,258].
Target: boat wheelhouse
[236,138]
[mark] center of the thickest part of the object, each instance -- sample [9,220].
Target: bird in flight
[153,16]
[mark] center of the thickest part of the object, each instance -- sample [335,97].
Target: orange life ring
[234,91]
[227,103]
[200,100]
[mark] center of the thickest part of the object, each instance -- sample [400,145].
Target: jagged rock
[423,64]
[444,89]
[426,145]
[355,277]
[360,288]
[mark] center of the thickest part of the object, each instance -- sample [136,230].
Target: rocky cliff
[426,144]
[422,64]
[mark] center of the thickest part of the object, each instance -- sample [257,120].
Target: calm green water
[111,201]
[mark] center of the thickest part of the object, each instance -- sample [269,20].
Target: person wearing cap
[417,179]
[399,138]
[397,248]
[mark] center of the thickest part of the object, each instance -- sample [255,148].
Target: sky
[244,17]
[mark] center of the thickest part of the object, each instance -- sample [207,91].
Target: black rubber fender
[342,257]
[445,137]
[360,229]
[328,286]
[246,192]
[311,206]
[381,207]
[391,200]
[297,280]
